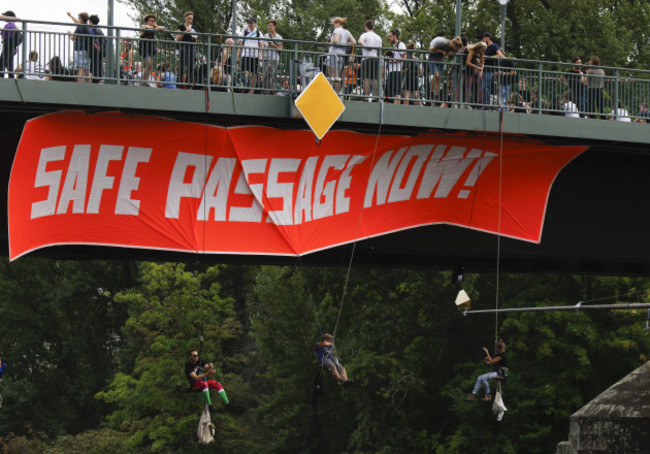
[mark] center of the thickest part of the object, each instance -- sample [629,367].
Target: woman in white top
[337,52]
[33,69]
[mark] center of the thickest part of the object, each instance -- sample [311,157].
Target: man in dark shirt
[197,372]
[493,51]
[575,80]
[499,369]
[82,38]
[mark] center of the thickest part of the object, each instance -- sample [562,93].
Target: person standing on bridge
[271,57]
[187,51]
[249,54]
[575,81]
[147,46]
[370,42]
[9,44]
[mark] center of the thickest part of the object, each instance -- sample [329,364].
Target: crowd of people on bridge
[451,71]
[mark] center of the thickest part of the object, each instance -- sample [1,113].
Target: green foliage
[171,311]
[104,362]
[60,332]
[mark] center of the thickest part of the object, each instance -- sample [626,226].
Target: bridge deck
[597,213]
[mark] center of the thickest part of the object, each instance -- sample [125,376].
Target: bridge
[596,217]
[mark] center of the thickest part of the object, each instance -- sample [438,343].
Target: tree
[171,311]
[60,328]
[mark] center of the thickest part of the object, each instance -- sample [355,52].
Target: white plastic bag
[498,405]
[206,429]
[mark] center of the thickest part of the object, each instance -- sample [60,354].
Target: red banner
[154,183]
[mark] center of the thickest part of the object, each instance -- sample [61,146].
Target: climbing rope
[498,264]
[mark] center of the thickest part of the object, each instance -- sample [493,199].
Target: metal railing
[209,61]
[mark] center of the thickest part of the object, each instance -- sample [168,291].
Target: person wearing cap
[147,46]
[270,56]
[492,51]
[249,56]
[9,44]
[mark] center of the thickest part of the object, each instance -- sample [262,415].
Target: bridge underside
[596,222]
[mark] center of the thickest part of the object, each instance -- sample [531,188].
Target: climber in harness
[197,372]
[499,365]
[327,359]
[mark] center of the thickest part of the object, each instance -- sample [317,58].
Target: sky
[55,10]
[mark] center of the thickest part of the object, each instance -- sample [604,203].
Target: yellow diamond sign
[319,105]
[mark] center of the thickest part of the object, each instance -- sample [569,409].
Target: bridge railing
[120,56]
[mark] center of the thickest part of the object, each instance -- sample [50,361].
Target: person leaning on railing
[474,64]
[439,48]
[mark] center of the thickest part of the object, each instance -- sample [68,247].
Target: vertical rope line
[498,265]
[205,179]
[356,233]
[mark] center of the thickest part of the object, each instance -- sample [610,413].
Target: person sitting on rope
[327,359]
[499,370]
[197,372]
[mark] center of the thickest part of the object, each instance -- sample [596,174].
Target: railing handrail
[357,47]
[446,83]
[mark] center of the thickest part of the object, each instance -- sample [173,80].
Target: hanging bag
[498,405]
[206,429]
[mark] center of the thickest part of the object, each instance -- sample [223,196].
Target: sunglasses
[194,356]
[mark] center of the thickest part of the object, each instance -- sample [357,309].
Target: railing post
[540,91]
[234,72]
[293,83]
[23,51]
[113,59]
[380,86]
[208,65]
[617,82]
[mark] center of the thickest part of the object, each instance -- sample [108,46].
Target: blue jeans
[504,94]
[486,85]
[484,380]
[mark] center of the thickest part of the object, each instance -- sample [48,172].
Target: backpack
[257,34]
[17,38]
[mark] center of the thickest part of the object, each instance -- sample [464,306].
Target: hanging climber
[327,359]
[499,365]
[197,372]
